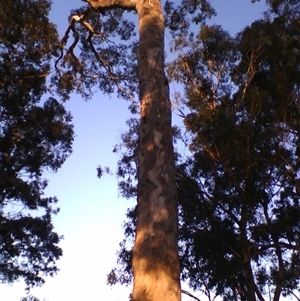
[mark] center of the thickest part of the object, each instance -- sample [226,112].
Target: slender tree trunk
[246,253]
[249,281]
[155,255]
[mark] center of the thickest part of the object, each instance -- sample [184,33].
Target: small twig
[180,111]
[189,294]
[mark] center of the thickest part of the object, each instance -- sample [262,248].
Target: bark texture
[155,255]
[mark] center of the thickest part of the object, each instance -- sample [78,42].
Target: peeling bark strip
[155,254]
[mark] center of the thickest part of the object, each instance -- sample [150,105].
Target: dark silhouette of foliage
[36,135]
[29,298]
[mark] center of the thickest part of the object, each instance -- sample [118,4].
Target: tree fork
[155,263]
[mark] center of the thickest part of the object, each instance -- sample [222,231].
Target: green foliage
[239,190]
[36,134]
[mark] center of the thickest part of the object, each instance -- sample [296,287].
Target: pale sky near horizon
[92,212]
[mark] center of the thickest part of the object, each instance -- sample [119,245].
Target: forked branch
[82,18]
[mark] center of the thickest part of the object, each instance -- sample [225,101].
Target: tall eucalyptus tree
[155,255]
[137,67]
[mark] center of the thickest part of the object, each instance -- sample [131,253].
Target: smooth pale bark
[155,254]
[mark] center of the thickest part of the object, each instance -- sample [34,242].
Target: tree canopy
[36,134]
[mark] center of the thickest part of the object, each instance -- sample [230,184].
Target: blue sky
[92,212]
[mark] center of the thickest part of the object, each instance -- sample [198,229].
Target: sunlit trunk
[155,254]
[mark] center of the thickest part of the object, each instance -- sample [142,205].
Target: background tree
[239,208]
[36,134]
[245,165]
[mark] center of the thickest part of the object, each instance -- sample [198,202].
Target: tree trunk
[155,254]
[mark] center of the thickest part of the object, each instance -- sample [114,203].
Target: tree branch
[108,69]
[109,4]
[292,293]
[258,293]
[189,294]
[81,18]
